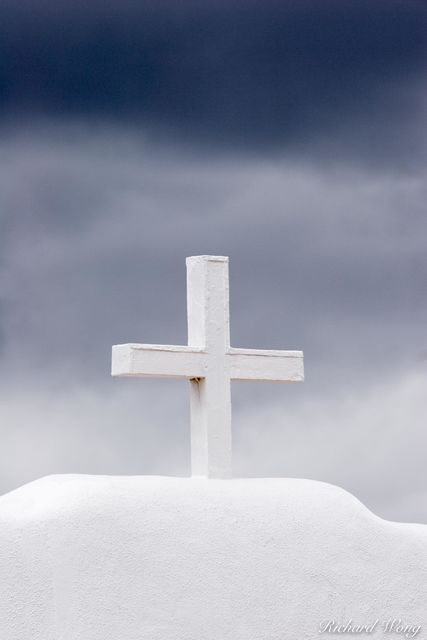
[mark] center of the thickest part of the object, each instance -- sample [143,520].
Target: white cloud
[371,442]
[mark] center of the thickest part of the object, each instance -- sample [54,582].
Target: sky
[291,137]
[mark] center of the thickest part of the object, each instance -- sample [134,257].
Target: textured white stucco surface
[156,558]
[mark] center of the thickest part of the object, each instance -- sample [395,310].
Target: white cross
[209,363]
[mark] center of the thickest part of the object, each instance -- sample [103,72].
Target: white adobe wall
[155,558]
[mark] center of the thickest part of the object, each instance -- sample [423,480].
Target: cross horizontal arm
[268,365]
[158,361]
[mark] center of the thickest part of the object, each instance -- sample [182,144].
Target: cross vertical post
[210,396]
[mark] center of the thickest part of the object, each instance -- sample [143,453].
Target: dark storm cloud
[251,74]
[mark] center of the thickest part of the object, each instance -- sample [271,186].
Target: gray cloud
[328,259]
